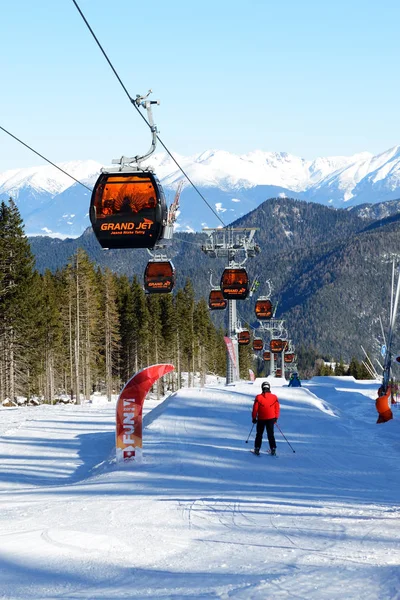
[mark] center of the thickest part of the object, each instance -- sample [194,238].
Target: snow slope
[202,517]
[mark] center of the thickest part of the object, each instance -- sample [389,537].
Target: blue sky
[306,77]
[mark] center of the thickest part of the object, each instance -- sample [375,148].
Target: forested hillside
[329,269]
[81,328]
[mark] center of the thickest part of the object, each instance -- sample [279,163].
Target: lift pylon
[235,245]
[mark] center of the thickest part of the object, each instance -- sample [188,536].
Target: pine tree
[16,273]
[82,316]
[110,330]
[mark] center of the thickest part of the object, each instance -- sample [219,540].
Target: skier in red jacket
[265,413]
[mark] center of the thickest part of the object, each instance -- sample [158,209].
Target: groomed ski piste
[202,517]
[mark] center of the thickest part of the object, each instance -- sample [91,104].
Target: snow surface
[202,517]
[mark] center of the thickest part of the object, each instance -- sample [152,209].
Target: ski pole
[284,437]
[248,437]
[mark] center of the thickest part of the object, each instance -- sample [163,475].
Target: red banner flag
[231,350]
[128,438]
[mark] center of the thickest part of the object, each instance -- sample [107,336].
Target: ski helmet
[265,387]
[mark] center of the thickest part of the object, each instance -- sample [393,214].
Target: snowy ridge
[48,179]
[233,184]
[218,168]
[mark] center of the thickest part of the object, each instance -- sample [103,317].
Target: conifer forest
[82,329]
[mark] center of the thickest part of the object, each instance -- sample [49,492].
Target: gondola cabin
[159,277]
[263,309]
[288,357]
[216,301]
[276,345]
[128,210]
[258,344]
[244,337]
[235,284]
[278,373]
[267,356]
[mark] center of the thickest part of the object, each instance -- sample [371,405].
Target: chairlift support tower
[271,326]
[235,245]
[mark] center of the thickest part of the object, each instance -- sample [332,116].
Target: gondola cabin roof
[243,337]
[128,210]
[258,344]
[235,284]
[159,277]
[216,300]
[263,309]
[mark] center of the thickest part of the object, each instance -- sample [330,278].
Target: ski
[268,452]
[252,451]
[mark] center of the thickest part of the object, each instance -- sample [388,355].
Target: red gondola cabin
[267,356]
[276,345]
[235,284]
[216,301]
[128,210]
[243,337]
[263,309]
[258,344]
[159,277]
[289,357]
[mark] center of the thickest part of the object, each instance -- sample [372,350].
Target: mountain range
[51,203]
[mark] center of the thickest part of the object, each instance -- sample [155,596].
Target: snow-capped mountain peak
[47,179]
[233,184]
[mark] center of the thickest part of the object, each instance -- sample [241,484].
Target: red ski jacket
[266,406]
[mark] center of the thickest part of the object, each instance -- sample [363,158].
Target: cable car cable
[133,101]
[46,159]
[198,244]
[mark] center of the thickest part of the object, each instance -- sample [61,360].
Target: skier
[294,380]
[265,413]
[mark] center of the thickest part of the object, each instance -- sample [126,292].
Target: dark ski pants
[267,424]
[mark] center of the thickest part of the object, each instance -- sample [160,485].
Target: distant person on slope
[265,413]
[294,380]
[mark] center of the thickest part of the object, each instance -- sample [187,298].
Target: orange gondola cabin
[159,277]
[243,337]
[235,284]
[128,210]
[267,356]
[263,309]
[258,344]
[277,345]
[289,357]
[216,301]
